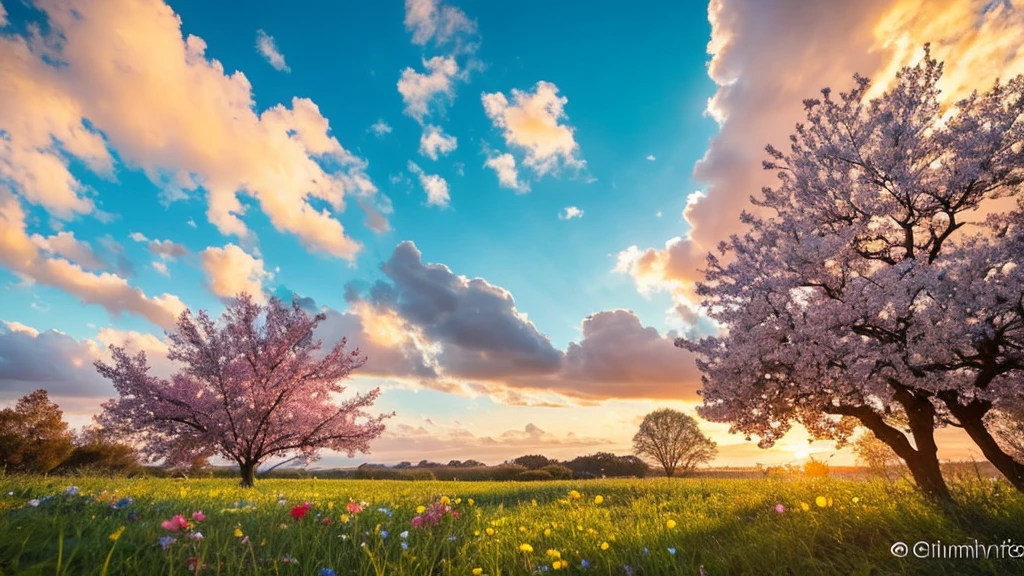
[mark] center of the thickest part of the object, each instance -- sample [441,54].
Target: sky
[504,207]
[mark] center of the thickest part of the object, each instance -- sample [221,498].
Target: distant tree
[455,463]
[473,464]
[878,457]
[428,464]
[95,449]
[402,465]
[607,464]
[673,440]
[33,435]
[532,461]
[254,386]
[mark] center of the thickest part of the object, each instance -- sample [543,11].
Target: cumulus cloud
[165,249]
[421,90]
[432,20]
[533,123]
[763,68]
[268,48]
[651,158]
[128,80]
[65,245]
[380,128]
[504,165]
[51,360]
[22,256]
[570,212]
[3,16]
[231,271]
[435,186]
[434,142]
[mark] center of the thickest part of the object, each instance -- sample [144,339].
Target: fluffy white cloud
[434,142]
[531,122]
[651,158]
[231,271]
[22,256]
[129,80]
[431,20]
[380,128]
[420,90]
[435,186]
[268,48]
[65,245]
[570,212]
[504,165]
[3,16]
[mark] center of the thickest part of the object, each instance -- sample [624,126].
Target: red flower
[299,511]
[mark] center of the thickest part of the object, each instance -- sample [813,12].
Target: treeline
[531,467]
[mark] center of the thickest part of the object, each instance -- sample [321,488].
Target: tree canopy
[673,440]
[33,435]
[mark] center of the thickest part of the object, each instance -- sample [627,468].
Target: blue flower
[672,551]
[405,546]
[72,491]
[327,572]
[385,511]
[646,551]
[384,534]
[584,564]
[166,541]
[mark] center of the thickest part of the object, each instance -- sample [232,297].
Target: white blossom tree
[857,297]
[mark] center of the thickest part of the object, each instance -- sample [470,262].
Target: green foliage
[531,461]
[674,441]
[558,471]
[33,435]
[606,464]
[533,475]
[726,526]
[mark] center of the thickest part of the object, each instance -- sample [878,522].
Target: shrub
[532,475]
[557,471]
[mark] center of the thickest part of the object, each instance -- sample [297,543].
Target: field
[94,525]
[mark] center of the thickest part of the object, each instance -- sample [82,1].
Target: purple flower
[327,572]
[167,541]
[780,508]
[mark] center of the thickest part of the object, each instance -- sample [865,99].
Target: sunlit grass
[654,526]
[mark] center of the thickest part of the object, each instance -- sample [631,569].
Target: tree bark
[248,471]
[971,417]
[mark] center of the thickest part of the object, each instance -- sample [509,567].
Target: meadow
[97,525]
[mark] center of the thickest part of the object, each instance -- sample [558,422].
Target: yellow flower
[557,565]
[445,500]
[344,518]
[821,501]
[604,545]
[458,500]
[856,499]
[804,506]
[490,531]
[283,526]
[554,554]
[579,528]
[470,502]
[574,495]
[526,548]
[547,531]
[598,499]
[478,571]
[670,524]
[421,509]
[534,502]
[330,505]
[117,534]
[238,533]
[591,531]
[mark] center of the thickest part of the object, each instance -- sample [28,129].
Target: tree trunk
[669,470]
[971,417]
[248,471]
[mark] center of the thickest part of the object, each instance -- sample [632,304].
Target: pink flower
[780,508]
[417,521]
[177,522]
[354,508]
[198,516]
[299,511]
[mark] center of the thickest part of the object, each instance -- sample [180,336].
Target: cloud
[266,46]
[231,271]
[380,128]
[51,360]
[191,223]
[128,81]
[165,249]
[20,255]
[3,16]
[531,123]
[504,165]
[570,212]
[434,142]
[432,20]
[651,158]
[419,91]
[435,186]
[764,69]
[65,245]
[161,267]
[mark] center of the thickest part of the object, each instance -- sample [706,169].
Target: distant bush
[605,464]
[816,468]
[533,475]
[532,461]
[558,471]
[506,472]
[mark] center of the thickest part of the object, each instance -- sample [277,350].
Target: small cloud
[434,142]
[161,268]
[651,157]
[504,165]
[191,223]
[435,186]
[570,212]
[265,44]
[420,90]
[657,214]
[380,128]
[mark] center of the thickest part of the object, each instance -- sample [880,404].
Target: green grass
[727,526]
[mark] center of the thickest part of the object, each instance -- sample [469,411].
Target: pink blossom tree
[857,297]
[252,386]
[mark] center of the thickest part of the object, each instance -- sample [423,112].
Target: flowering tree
[253,386]
[855,298]
[673,441]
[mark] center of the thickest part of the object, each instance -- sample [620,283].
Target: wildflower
[330,506]
[198,516]
[192,563]
[238,532]
[384,534]
[299,511]
[327,572]
[354,508]
[574,495]
[547,531]
[421,509]
[670,524]
[122,503]
[804,506]
[289,560]
[584,564]
[405,545]
[445,500]
[197,536]
[117,534]
[246,541]
[417,521]
[780,508]
[326,521]
[490,531]
[386,511]
[452,538]
[33,502]
[283,526]
[672,551]
[604,546]
[856,499]
[647,551]
[72,491]
[177,522]
[821,501]
[344,518]
[478,571]
[526,548]
[557,565]
[533,502]
[598,499]
[403,535]
[470,502]
[167,541]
